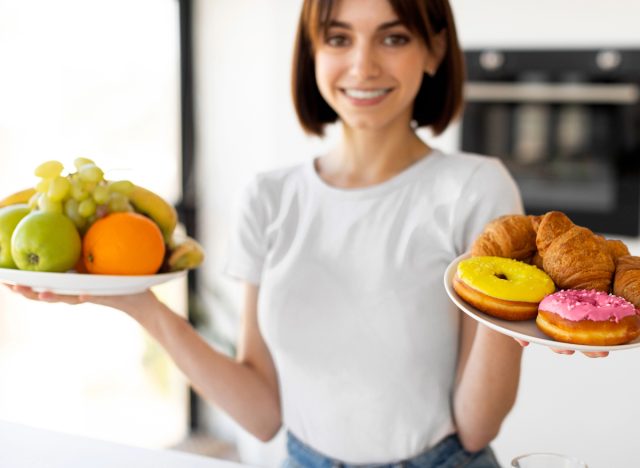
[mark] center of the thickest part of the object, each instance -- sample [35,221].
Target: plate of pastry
[71,283]
[527,329]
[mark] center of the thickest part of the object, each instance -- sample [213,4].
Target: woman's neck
[369,157]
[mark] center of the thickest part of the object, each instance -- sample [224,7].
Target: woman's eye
[337,40]
[396,40]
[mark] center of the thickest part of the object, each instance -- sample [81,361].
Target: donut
[502,287]
[589,317]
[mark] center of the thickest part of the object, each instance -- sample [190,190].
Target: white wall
[548,23]
[567,404]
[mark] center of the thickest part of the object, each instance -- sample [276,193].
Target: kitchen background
[567,404]
[112,92]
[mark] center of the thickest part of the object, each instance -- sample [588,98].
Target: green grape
[87,207]
[59,188]
[33,201]
[90,173]
[49,169]
[71,210]
[119,203]
[77,191]
[89,186]
[43,185]
[79,162]
[101,194]
[121,186]
[47,204]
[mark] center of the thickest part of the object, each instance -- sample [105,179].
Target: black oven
[567,125]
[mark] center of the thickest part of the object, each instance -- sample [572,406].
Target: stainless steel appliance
[567,125]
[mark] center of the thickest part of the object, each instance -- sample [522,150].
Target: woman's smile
[366,97]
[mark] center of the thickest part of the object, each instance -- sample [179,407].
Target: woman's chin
[366,124]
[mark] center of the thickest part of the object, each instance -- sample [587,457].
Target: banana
[21,196]
[151,204]
[186,255]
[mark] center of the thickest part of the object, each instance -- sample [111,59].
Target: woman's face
[369,66]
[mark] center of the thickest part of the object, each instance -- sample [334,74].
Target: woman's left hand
[591,354]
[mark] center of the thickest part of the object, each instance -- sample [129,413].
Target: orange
[123,244]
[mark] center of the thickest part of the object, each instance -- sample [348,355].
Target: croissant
[536,260]
[617,249]
[573,256]
[549,227]
[510,236]
[535,222]
[627,279]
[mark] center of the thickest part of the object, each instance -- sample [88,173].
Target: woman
[348,338]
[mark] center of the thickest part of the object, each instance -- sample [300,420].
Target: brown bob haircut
[439,99]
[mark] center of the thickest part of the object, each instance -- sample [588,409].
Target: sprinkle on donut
[505,278]
[582,304]
[588,317]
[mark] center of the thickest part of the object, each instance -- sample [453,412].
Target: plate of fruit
[76,232]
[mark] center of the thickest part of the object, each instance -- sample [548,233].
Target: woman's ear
[436,53]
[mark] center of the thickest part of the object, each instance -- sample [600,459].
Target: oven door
[570,141]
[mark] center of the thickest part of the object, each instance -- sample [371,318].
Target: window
[96,79]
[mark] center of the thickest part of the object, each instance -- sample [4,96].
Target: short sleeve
[490,192]
[248,246]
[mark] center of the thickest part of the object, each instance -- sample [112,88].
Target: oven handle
[621,93]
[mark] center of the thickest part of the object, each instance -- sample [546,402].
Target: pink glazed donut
[588,317]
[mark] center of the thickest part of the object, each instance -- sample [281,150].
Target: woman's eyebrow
[390,24]
[383,26]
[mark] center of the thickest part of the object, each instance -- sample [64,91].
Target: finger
[599,354]
[25,292]
[47,296]
[522,343]
[567,352]
[20,289]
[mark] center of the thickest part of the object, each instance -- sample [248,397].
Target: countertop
[28,447]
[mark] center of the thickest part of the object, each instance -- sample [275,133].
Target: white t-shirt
[352,304]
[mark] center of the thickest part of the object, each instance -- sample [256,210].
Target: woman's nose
[365,63]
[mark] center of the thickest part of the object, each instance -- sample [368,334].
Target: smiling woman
[80,79]
[414,33]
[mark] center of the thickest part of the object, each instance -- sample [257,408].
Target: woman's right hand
[133,304]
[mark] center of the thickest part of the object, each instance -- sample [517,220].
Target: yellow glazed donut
[502,287]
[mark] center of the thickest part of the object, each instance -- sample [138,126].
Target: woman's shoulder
[462,162]
[471,168]
[476,174]
[268,188]
[276,179]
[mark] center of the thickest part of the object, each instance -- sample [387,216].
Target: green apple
[10,216]
[45,241]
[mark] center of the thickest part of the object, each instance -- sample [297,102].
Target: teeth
[368,94]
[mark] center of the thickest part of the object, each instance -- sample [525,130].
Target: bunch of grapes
[84,196]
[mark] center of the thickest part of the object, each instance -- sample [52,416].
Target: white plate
[76,283]
[523,330]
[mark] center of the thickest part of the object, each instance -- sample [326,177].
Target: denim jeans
[448,453]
